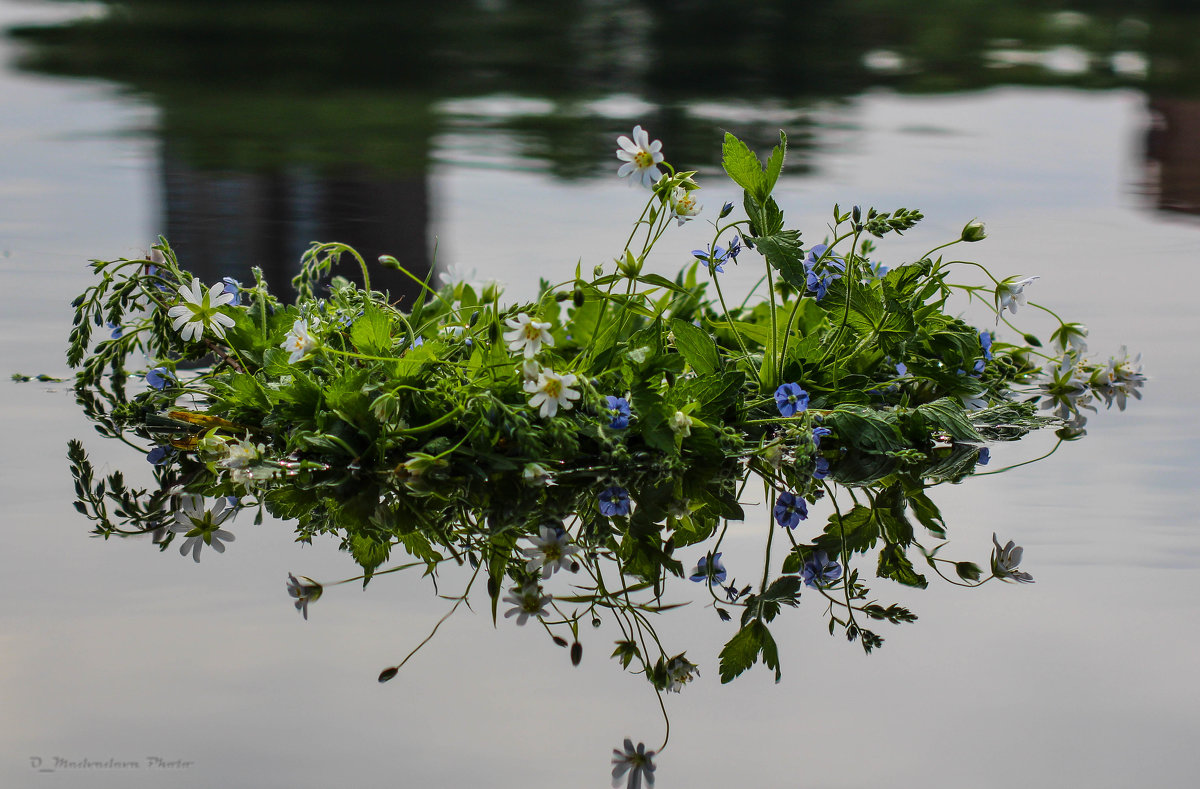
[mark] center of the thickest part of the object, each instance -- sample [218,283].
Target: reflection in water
[1173,155]
[293,122]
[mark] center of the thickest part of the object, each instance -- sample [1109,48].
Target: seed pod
[388,673]
[576,653]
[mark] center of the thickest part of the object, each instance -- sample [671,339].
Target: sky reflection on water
[1085,678]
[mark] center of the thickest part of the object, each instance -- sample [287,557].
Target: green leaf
[948,416]
[741,651]
[372,333]
[775,163]
[782,251]
[856,531]
[696,347]
[866,429]
[742,165]
[895,565]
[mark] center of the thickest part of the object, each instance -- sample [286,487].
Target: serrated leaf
[775,163]
[949,416]
[741,651]
[372,333]
[696,347]
[742,165]
[895,565]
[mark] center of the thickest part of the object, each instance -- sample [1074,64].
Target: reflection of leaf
[866,429]
[947,415]
[743,649]
[857,531]
[895,565]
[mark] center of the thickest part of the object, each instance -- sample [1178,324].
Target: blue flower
[818,434]
[726,210]
[984,456]
[117,331]
[821,469]
[158,455]
[159,378]
[233,288]
[790,510]
[979,365]
[831,269]
[985,342]
[701,573]
[791,399]
[735,248]
[820,570]
[614,501]
[618,408]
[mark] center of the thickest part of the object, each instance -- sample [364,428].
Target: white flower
[683,204]
[1010,293]
[641,157]
[1005,561]
[299,341]
[550,391]
[305,590]
[527,335]
[240,454]
[1065,389]
[527,601]
[201,526]
[638,762]
[681,424]
[537,474]
[551,551]
[680,671]
[199,311]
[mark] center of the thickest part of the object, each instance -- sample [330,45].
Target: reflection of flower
[618,409]
[1005,561]
[551,551]
[614,501]
[527,601]
[820,570]
[680,671]
[527,335]
[159,378]
[299,341]
[983,457]
[702,571]
[199,311]
[537,474]
[1065,390]
[790,510]
[201,526]
[638,762]
[819,433]
[1120,378]
[550,391]
[791,399]
[820,468]
[641,157]
[305,590]
[241,453]
[158,455]
[1010,293]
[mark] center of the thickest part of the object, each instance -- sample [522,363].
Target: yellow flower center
[643,159]
[552,387]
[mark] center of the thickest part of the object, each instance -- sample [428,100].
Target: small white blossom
[199,311]
[551,551]
[680,671]
[527,335]
[637,762]
[299,341]
[1011,293]
[527,601]
[1005,561]
[305,590]
[241,453]
[201,526]
[550,391]
[683,204]
[640,157]
[681,424]
[537,474]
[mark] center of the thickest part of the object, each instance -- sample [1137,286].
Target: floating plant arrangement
[581,455]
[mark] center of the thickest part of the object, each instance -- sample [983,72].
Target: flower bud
[974,231]
[598,271]
[576,653]
[387,261]
[726,210]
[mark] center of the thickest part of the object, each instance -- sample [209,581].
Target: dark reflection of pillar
[222,223]
[1173,154]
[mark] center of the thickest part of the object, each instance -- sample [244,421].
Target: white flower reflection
[305,590]
[637,762]
[527,601]
[201,526]
[551,551]
[1005,561]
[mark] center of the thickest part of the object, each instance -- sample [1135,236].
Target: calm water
[1086,176]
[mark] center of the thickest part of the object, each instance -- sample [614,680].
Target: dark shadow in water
[287,122]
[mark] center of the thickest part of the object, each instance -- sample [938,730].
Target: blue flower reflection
[614,501]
